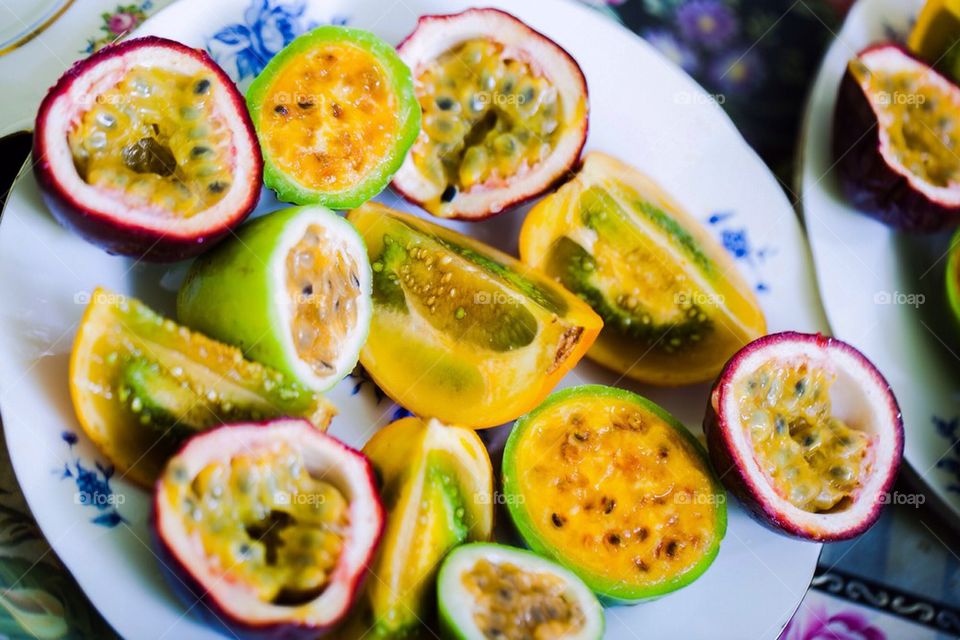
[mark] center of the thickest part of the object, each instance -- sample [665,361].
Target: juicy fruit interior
[616,490]
[513,602]
[814,460]
[920,119]
[322,279]
[486,117]
[264,521]
[156,137]
[329,116]
[143,383]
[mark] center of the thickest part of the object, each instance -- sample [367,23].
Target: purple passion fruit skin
[894,180]
[772,498]
[615,489]
[505,114]
[188,172]
[229,599]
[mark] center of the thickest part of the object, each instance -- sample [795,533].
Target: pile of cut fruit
[147,149]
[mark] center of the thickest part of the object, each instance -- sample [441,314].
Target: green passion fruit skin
[229,597]
[611,588]
[292,289]
[953,278]
[266,101]
[110,217]
[489,590]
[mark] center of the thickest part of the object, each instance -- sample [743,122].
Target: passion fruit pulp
[505,114]
[491,591]
[140,384]
[437,485]
[484,336]
[291,289]
[335,113]
[894,134]
[807,433]
[146,149]
[615,489]
[269,527]
[673,304]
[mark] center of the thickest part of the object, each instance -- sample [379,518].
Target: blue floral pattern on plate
[950,462]
[244,48]
[736,241]
[93,486]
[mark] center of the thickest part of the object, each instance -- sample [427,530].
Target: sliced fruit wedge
[935,35]
[504,114]
[807,433]
[437,484]
[140,384]
[268,527]
[335,113]
[494,591]
[291,289]
[673,303]
[460,331]
[146,149]
[617,490]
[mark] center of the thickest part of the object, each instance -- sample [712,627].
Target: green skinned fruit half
[495,591]
[291,289]
[673,304]
[953,278]
[437,486]
[335,113]
[615,489]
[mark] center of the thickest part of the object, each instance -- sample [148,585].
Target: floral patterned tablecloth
[757,59]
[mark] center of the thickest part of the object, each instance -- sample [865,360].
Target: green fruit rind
[611,592]
[237,293]
[454,606]
[953,278]
[408,125]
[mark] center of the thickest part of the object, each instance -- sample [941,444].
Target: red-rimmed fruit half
[807,433]
[896,128]
[270,526]
[146,149]
[504,114]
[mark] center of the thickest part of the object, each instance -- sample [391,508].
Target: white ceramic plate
[643,110]
[884,291]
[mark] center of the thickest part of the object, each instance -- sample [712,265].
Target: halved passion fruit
[504,114]
[674,306]
[437,487]
[335,113]
[460,331]
[807,433]
[895,131]
[146,149]
[615,489]
[267,527]
[291,289]
[493,592]
[140,384]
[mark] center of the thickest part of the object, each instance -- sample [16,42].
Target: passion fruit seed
[515,603]
[814,459]
[322,279]
[140,138]
[268,522]
[486,117]
[323,152]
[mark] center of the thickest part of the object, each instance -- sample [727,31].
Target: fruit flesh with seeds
[270,524]
[617,490]
[146,149]
[491,591]
[140,384]
[335,113]
[437,484]
[504,113]
[460,331]
[291,289]
[673,304]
